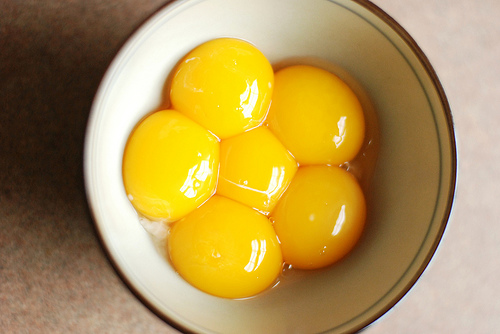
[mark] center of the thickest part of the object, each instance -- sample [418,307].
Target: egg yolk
[227,154]
[226,249]
[320,217]
[170,166]
[316,116]
[255,169]
[225,85]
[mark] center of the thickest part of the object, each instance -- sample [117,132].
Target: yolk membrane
[170,166]
[316,116]
[255,169]
[226,249]
[320,217]
[225,85]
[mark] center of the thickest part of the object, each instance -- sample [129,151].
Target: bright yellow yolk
[226,249]
[225,85]
[170,166]
[316,116]
[320,217]
[255,169]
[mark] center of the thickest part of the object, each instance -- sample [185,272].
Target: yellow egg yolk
[226,249]
[225,85]
[316,116]
[255,169]
[170,166]
[227,155]
[320,217]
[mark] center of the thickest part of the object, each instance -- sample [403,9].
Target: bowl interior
[411,191]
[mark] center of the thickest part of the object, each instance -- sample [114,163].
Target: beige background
[54,276]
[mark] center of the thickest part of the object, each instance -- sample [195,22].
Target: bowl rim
[429,70]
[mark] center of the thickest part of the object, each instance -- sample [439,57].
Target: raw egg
[316,116]
[243,174]
[225,85]
[170,165]
[255,169]
[320,217]
[226,249]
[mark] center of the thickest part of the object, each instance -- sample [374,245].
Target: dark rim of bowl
[424,61]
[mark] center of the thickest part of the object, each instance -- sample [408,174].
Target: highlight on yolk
[170,166]
[320,217]
[226,249]
[255,169]
[225,85]
[316,116]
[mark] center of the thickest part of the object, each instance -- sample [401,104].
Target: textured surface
[54,277]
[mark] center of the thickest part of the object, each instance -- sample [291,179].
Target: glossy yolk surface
[226,249]
[170,166]
[255,169]
[320,217]
[225,85]
[316,116]
[223,244]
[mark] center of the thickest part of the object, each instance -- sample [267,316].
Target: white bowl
[411,193]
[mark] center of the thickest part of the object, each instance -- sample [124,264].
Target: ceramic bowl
[411,192]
